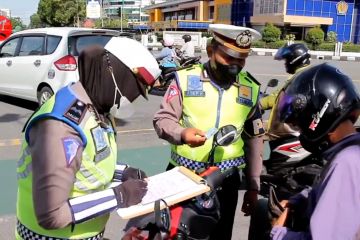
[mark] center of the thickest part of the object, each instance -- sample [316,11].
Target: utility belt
[195,165]
[27,234]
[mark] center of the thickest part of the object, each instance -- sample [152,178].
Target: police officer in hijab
[69,153]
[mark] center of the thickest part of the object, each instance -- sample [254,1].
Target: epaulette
[251,78]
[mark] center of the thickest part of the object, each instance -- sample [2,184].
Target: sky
[21,8]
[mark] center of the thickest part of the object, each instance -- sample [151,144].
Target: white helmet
[168,41]
[135,56]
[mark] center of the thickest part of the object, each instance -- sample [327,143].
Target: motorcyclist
[323,104]
[187,49]
[297,58]
[167,55]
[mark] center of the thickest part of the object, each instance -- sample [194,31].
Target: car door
[31,64]
[7,55]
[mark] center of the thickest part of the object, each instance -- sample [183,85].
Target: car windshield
[79,43]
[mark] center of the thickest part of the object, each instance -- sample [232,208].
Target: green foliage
[272,45]
[60,13]
[16,22]
[350,47]
[331,37]
[35,21]
[111,23]
[315,37]
[289,37]
[326,46]
[271,33]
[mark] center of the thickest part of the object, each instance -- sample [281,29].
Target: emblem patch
[194,87]
[99,139]
[244,39]
[174,91]
[245,95]
[71,146]
[76,112]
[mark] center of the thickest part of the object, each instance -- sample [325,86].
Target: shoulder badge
[71,146]
[76,111]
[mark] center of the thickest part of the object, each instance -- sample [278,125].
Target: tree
[331,37]
[315,36]
[17,22]
[271,33]
[59,13]
[35,21]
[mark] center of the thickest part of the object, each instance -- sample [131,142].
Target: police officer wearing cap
[212,95]
[69,154]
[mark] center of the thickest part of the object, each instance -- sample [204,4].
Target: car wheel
[44,95]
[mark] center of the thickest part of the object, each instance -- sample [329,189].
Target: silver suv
[36,63]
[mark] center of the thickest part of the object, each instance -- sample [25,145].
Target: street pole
[121,15]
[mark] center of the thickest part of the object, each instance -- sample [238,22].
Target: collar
[353,139]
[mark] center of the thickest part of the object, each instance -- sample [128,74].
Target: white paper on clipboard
[173,186]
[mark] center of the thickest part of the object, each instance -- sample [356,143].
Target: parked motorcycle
[169,74]
[197,217]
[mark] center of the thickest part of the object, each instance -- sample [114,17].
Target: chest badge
[194,87]
[99,139]
[245,96]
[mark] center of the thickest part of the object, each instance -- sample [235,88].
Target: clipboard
[173,186]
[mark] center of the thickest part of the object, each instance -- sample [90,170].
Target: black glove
[133,173]
[130,192]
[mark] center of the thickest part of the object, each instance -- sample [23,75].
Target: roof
[167,4]
[64,31]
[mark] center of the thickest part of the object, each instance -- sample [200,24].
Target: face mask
[125,108]
[227,72]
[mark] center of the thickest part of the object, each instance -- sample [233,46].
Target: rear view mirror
[273,82]
[225,135]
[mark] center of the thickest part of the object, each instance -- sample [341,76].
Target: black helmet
[315,102]
[186,37]
[295,55]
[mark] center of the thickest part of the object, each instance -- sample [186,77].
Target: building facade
[293,16]
[133,10]
[5,12]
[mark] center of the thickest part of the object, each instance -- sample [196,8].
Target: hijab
[95,76]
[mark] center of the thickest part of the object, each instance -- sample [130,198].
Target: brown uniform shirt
[167,126]
[53,176]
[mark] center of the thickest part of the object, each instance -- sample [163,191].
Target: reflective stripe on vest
[95,173]
[206,106]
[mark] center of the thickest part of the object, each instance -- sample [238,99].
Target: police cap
[234,40]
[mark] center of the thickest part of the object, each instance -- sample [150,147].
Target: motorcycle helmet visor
[281,52]
[286,110]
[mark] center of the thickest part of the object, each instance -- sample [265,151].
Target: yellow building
[295,16]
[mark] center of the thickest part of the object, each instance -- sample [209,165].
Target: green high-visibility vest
[95,173]
[206,106]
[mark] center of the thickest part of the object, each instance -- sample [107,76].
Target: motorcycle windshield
[281,121]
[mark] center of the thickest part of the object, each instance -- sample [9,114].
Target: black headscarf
[97,81]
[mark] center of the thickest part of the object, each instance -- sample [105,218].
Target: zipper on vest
[221,91]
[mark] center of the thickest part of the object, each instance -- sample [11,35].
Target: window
[52,43]
[78,43]
[32,46]
[9,48]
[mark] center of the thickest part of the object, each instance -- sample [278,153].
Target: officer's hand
[130,192]
[249,202]
[193,137]
[132,173]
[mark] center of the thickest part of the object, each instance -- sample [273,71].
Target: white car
[36,63]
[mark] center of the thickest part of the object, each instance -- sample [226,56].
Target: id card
[210,132]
